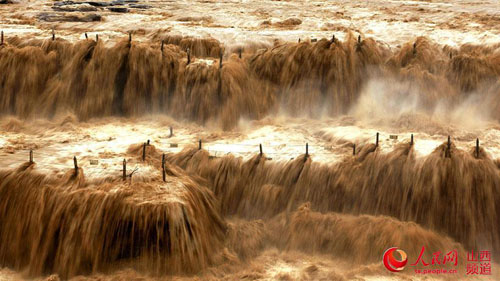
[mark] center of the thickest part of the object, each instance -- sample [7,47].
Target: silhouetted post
[53,35]
[307,150]
[199,144]
[260,148]
[171,132]
[220,59]
[299,40]
[31,156]
[189,55]
[411,139]
[376,139]
[333,38]
[76,165]
[240,51]
[144,152]
[415,48]
[448,147]
[1,43]
[86,35]
[148,142]
[161,48]
[359,39]
[477,148]
[124,176]
[163,166]
[97,37]
[130,37]
[354,149]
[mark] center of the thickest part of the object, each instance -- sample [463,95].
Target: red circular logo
[393,264]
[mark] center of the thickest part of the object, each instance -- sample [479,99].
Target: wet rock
[289,22]
[76,8]
[118,9]
[64,3]
[98,4]
[123,2]
[140,6]
[53,17]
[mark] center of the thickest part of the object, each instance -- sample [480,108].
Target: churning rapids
[224,209]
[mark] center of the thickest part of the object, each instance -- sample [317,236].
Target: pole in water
[411,139]
[171,132]
[260,148]
[31,156]
[76,165]
[124,176]
[86,35]
[477,148]
[161,48]
[307,150]
[199,144]
[376,140]
[144,152]
[354,149]
[220,60]
[448,147]
[189,55]
[163,165]
[1,43]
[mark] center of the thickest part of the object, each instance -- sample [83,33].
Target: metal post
[376,140]
[124,169]
[31,155]
[477,148]
[411,139]
[448,148]
[199,144]
[260,148]
[163,166]
[144,152]
[76,165]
